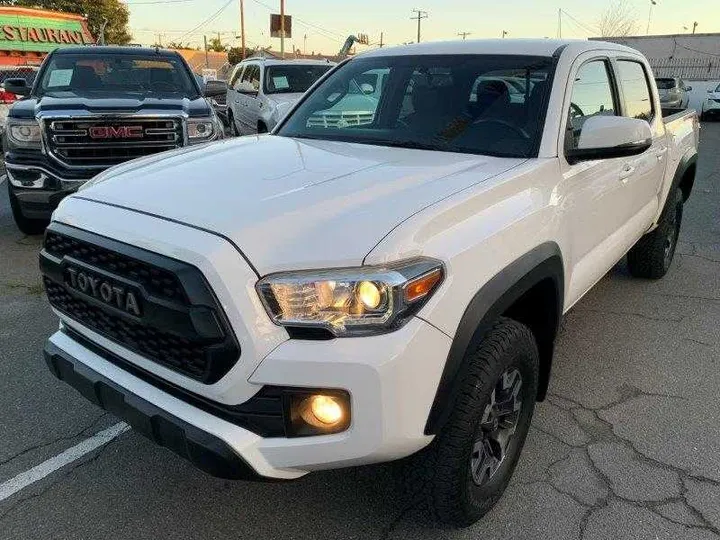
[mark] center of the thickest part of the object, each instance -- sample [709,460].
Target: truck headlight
[24,133]
[351,301]
[201,130]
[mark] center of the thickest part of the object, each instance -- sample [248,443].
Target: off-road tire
[26,225]
[653,254]
[438,479]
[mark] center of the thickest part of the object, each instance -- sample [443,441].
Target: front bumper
[38,185]
[203,450]
[391,379]
[711,106]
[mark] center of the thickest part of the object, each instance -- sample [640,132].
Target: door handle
[627,171]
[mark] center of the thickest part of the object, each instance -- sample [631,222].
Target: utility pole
[305,44]
[420,16]
[652,3]
[504,33]
[464,34]
[381,39]
[102,31]
[207,59]
[242,27]
[560,23]
[282,28]
[695,25]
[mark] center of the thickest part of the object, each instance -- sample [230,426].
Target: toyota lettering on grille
[104,290]
[116,132]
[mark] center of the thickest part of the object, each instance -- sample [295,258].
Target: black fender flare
[490,302]
[687,161]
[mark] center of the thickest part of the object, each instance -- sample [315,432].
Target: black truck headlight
[24,133]
[201,130]
[352,301]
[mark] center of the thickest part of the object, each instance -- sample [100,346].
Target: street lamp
[652,3]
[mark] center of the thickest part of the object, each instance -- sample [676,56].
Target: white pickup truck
[337,294]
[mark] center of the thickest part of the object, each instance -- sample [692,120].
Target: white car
[260,91]
[344,293]
[711,105]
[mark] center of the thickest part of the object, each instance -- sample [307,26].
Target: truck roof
[116,49]
[529,47]
[290,61]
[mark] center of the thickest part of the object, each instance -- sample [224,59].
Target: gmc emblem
[116,132]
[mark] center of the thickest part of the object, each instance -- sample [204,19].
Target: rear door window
[636,91]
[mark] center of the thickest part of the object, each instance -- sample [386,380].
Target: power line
[580,23]
[208,20]
[307,24]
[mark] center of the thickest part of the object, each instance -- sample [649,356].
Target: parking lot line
[37,473]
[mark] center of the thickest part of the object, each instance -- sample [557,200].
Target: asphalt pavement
[626,447]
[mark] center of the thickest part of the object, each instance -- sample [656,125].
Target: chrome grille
[103,142]
[341,119]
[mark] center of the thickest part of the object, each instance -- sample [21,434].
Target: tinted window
[116,73]
[635,90]
[436,102]
[665,84]
[292,78]
[592,95]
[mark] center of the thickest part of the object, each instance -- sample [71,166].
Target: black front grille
[102,142]
[157,281]
[180,324]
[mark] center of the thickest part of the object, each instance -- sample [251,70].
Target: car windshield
[291,79]
[478,104]
[665,84]
[83,73]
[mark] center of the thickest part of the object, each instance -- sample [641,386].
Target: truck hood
[89,103]
[292,203]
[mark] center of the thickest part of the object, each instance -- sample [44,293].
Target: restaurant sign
[37,30]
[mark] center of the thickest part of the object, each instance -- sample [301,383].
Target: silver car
[260,91]
[673,92]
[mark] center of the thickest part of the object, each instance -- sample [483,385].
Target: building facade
[27,35]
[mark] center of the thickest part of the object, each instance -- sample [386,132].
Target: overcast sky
[328,22]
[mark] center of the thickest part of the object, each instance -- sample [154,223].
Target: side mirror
[688,88]
[215,88]
[607,137]
[710,90]
[17,86]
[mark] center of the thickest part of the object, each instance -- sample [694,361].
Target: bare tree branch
[618,20]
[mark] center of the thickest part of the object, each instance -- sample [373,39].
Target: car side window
[236,77]
[250,78]
[592,95]
[636,91]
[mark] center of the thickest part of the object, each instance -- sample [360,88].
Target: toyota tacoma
[348,294]
[90,108]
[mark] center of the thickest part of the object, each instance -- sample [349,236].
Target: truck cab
[90,108]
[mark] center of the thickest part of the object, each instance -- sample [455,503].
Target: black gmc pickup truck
[91,108]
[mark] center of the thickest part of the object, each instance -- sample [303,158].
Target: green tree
[116,13]
[216,45]
[177,45]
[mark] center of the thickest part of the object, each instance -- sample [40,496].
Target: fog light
[321,411]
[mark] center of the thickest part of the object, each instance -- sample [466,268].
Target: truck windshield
[292,79]
[478,104]
[112,74]
[665,84]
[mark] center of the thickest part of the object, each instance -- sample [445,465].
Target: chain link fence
[692,69]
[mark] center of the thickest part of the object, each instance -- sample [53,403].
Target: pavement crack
[395,522]
[54,441]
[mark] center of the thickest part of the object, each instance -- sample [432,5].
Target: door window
[250,80]
[235,77]
[636,90]
[592,95]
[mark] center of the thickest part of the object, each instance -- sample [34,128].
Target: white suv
[261,91]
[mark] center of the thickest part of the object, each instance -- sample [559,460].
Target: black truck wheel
[653,254]
[26,225]
[460,476]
